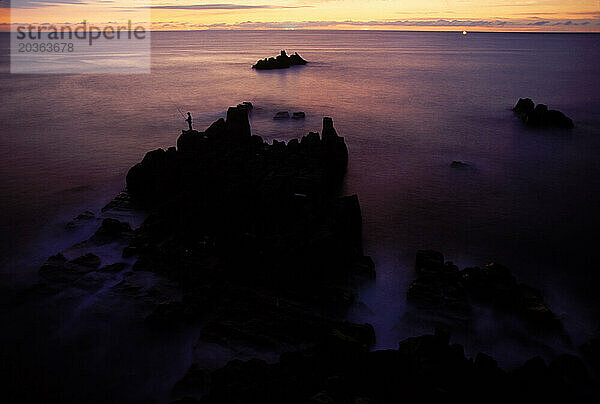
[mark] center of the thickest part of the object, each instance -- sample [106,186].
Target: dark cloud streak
[27,4]
[221,7]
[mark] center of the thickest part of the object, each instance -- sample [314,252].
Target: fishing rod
[176,106]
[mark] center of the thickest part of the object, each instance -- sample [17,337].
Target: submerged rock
[283,61]
[540,116]
[298,115]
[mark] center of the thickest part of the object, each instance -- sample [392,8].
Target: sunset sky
[476,15]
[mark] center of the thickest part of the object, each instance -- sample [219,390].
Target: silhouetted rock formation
[59,271]
[425,369]
[237,121]
[458,164]
[254,236]
[283,61]
[442,288]
[255,233]
[591,351]
[309,166]
[540,115]
[282,115]
[111,230]
[285,115]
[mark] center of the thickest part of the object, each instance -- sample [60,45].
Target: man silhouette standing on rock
[189,121]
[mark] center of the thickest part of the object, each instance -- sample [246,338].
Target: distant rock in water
[283,61]
[282,115]
[540,115]
[458,164]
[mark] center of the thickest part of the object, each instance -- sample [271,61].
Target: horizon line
[362,30]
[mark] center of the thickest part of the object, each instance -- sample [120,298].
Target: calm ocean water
[408,103]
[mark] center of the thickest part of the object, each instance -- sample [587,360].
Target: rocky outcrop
[311,163]
[83,272]
[256,234]
[458,164]
[111,230]
[441,287]
[83,218]
[285,115]
[423,369]
[283,61]
[58,271]
[439,290]
[148,176]
[540,116]
[237,121]
[591,351]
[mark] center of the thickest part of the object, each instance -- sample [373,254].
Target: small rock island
[283,61]
[540,116]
